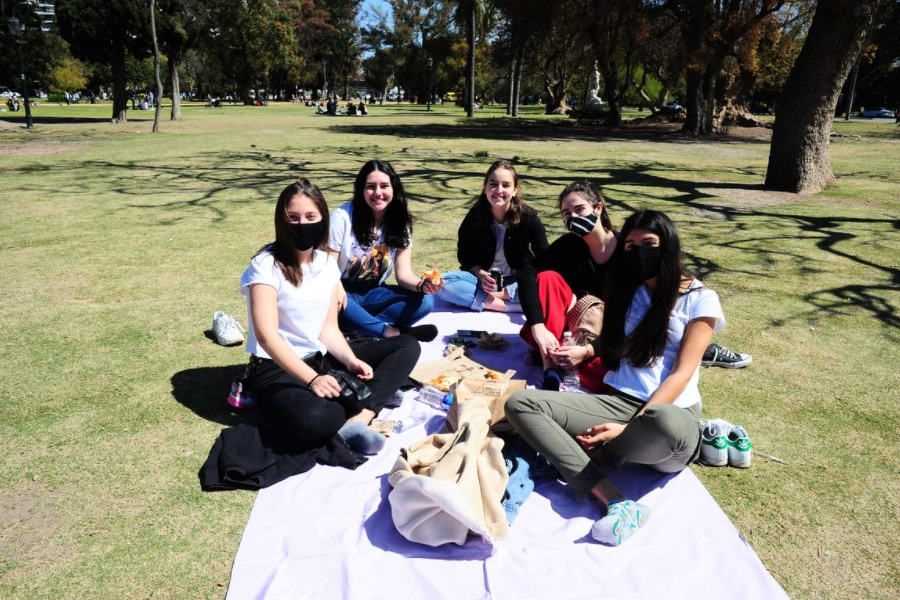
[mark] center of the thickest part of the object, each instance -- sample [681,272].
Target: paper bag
[494,393]
[458,367]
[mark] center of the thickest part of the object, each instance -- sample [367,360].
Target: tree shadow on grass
[523,129]
[204,391]
[208,181]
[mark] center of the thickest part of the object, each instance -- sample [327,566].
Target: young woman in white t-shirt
[657,323]
[292,289]
[370,237]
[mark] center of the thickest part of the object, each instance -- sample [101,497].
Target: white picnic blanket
[328,533]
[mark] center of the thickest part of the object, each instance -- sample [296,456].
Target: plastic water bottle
[570,381]
[435,398]
[417,418]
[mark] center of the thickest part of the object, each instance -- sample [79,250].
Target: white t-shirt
[357,263]
[697,302]
[301,310]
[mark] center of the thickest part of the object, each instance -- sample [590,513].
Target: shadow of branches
[441,184]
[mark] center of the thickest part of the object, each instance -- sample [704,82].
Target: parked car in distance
[877,113]
[673,106]
[5,92]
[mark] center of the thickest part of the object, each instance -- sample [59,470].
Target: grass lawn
[118,245]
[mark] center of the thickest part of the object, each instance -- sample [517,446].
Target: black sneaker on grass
[720,356]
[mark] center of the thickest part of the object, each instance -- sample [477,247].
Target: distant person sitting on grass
[657,323]
[371,236]
[292,289]
[498,236]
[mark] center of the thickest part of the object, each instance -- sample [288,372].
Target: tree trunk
[611,91]
[517,82]
[557,95]
[512,84]
[851,91]
[701,87]
[175,115]
[158,100]
[798,156]
[470,58]
[120,94]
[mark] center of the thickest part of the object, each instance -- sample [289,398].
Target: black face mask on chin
[642,262]
[307,235]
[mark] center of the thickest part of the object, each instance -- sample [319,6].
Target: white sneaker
[227,330]
[740,450]
[714,442]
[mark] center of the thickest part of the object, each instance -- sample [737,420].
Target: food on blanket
[443,382]
[452,346]
[493,375]
[434,276]
[383,426]
[492,341]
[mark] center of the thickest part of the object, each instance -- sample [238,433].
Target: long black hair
[647,341]
[397,221]
[517,206]
[283,248]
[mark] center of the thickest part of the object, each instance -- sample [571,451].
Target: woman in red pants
[574,265]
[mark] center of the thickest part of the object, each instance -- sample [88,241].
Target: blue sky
[381,4]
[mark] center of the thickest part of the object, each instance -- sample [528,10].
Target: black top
[570,257]
[477,241]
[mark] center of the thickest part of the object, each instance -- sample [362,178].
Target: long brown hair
[516,204]
[283,249]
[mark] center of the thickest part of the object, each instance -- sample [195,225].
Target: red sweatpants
[555,296]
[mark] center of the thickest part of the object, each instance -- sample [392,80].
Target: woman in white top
[657,323]
[292,288]
[371,236]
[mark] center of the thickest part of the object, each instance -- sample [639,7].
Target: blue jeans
[462,288]
[370,310]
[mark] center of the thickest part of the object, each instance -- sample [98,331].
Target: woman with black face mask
[292,287]
[657,323]
[574,265]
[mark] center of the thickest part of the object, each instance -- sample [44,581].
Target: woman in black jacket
[498,236]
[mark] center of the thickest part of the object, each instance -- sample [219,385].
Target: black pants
[292,417]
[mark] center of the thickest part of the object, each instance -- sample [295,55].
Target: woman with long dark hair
[370,237]
[657,323]
[574,265]
[499,235]
[292,290]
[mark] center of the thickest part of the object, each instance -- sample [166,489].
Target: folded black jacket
[239,459]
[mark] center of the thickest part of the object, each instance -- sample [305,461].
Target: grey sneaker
[740,450]
[714,442]
[720,356]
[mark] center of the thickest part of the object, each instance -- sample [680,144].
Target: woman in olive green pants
[657,323]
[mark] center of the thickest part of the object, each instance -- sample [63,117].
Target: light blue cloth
[462,288]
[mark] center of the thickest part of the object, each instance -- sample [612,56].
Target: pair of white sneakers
[722,443]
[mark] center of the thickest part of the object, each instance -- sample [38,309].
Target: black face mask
[582,225]
[307,235]
[642,262]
